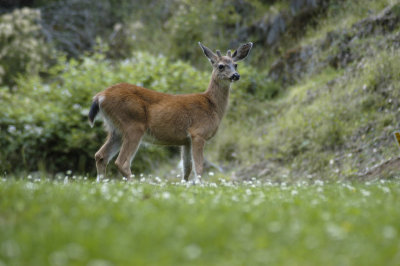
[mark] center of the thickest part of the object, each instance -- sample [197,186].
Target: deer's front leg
[197,154]
[186,161]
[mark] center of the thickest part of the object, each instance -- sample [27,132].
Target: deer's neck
[218,93]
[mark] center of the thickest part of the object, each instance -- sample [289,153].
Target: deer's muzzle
[235,77]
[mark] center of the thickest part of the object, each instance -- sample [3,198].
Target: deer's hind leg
[130,144]
[106,153]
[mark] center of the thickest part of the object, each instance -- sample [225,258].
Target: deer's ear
[210,55]
[242,52]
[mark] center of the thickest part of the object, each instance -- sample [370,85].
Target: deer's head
[225,66]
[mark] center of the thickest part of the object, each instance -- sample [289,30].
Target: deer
[131,113]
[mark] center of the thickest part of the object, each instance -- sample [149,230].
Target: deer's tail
[94,110]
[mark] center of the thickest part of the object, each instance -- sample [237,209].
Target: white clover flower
[166,195]
[7,30]
[192,251]
[335,231]
[38,130]
[274,227]
[319,182]
[24,11]
[30,186]
[191,201]
[385,189]
[235,198]
[11,129]
[314,202]
[389,232]
[7,18]
[349,187]
[365,193]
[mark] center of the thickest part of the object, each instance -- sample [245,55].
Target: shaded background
[319,97]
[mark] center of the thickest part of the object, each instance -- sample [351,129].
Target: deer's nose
[235,76]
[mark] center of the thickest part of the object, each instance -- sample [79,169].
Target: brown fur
[187,120]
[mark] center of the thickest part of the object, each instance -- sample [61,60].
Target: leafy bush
[216,23]
[22,45]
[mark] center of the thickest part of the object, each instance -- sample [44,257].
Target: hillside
[319,98]
[339,109]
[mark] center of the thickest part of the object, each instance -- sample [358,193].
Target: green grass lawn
[153,222]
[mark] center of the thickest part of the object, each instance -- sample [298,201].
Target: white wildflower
[319,182]
[11,129]
[213,184]
[365,193]
[335,231]
[274,227]
[385,189]
[389,232]
[192,251]
[166,195]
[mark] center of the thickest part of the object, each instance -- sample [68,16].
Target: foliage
[195,20]
[23,49]
[153,222]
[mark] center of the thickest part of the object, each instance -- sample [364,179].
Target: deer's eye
[220,67]
[235,65]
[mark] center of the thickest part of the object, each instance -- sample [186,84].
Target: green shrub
[22,45]
[216,23]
